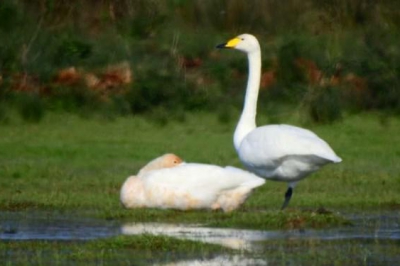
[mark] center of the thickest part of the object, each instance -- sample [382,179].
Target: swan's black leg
[288,196]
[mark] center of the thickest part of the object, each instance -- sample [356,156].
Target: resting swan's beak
[230,44]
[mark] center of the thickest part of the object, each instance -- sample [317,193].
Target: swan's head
[244,42]
[165,161]
[170,160]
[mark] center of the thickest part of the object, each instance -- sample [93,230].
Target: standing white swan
[276,152]
[187,186]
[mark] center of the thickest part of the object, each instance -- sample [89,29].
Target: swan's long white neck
[247,121]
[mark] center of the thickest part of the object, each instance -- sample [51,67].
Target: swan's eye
[242,39]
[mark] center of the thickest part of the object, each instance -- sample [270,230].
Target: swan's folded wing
[278,141]
[202,178]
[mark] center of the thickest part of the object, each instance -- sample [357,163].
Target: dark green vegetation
[326,59]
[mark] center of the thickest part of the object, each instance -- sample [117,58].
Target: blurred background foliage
[157,57]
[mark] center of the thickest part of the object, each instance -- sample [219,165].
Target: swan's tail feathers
[250,180]
[335,159]
[338,159]
[256,182]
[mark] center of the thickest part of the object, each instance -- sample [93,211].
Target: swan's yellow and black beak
[230,44]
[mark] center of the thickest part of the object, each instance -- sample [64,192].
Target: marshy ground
[90,92]
[60,181]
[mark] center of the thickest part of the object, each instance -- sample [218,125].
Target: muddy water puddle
[373,238]
[52,226]
[253,240]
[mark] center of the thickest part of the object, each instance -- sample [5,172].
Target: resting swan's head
[165,161]
[245,42]
[169,160]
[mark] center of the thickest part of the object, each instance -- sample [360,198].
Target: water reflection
[50,226]
[53,226]
[236,260]
[382,227]
[232,238]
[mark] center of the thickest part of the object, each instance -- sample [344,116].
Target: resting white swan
[128,189]
[187,186]
[276,152]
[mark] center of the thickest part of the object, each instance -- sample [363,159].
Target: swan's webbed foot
[288,196]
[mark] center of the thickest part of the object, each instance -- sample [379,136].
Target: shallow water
[50,226]
[383,227]
[368,240]
[53,226]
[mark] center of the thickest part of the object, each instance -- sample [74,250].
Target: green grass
[67,163]
[334,252]
[122,250]
[149,250]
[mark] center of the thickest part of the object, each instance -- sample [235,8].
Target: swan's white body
[284,153]
[190,186]
[276,152]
